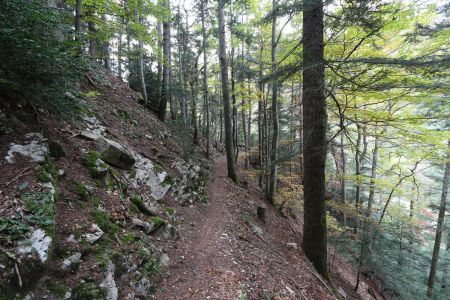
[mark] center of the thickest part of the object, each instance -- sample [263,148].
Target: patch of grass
[57,288]
[170,211]
[88,290]
[104,221]
[92,94]
[93,163]
[96,201]
[81,190]
[158,221]
[43,176]
[47,172]
[123,114]
[158,168]
[128,238]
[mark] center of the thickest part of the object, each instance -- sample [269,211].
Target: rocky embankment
[87,207]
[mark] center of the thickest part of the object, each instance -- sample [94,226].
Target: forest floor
[226,252]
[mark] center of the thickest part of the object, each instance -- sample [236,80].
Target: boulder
[145,226]
[94,233]
[71,262]
[115,154]
[109,284]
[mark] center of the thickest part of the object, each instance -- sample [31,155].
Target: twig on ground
[16,268]
[21,173]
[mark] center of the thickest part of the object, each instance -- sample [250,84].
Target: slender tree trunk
[78,16]
[141,58]
[165,93]
[440,226]
[314,124]
[234,111]
[181,76]
[373,175]
[92,35]
[106,50]
[446,262]
[194,113]
[275,122]
[205,79]
[343,180]
[120,48]
[226,97]
[160,63]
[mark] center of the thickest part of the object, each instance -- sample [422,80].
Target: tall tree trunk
[92,35]
[226,96]
[440,226]
[205,79]
[141,57]
[373,175]
[106,50]
[78,16]
[343,180]
[165,93]
[194,113]
[120,48]
[260,117]
[446,263]
[314,124]
[181,73]
[275,122]
[160,63]
[234,111]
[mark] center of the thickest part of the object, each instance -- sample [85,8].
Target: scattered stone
[109,285]
[94,233]
[151,176]
[257,230]
[71,262]
[95,126]
[342,293]
[143,287]
[38,242]
[89,135]
[164,260]
[142,205]
[115,154]
[36,148]
[292,245]
[169,232]
[147,227]
[71,239]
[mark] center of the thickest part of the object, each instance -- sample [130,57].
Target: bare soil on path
[221,253]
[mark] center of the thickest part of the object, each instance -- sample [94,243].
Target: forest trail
[221,254]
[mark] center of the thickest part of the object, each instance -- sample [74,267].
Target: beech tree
[314,131]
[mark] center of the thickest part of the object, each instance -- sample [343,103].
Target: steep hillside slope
[107,208]
[85,204]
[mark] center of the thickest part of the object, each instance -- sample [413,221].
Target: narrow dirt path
[224,251]
[206,269]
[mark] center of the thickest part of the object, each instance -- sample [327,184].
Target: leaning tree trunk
[226,96]
[275,123]
[440,226]
[314,124]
